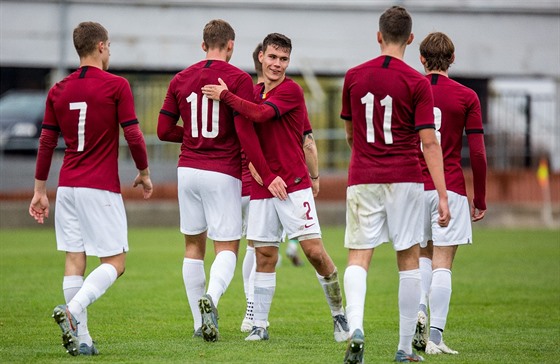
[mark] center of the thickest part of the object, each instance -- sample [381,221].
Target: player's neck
[217,54]
[438,72]
[91,62]
[271,84]
[393,50]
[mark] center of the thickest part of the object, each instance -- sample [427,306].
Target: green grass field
[505,306]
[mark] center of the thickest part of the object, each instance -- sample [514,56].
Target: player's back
[456,110]
[210,140]
[387,101]
[87,107]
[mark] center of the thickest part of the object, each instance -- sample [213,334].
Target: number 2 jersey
[388,102]
[88,107]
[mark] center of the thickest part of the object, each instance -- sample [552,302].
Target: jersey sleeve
[47,141]
[346,112]
[477,151]
[424,105]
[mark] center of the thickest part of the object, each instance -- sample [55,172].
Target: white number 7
[82,106]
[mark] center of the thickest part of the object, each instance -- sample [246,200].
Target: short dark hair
[258,64]
[217,33]
[87,35]
[395,25]
[277,40]
[438,50]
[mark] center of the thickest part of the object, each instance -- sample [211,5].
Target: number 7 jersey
[88,107]
[388,102]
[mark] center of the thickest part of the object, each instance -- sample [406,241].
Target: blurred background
[507,51]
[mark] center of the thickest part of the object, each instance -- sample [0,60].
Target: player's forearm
[137,146]
[349,128]
[311,157]
[40,187]
[434,161]
[258,113]
[252,148]
[168,130]
[47,142]
[477,153]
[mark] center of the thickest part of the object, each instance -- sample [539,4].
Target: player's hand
[214,91]
[255,174]
[444,214]
[39,207]
[278,188]
[143,178]
[315,187]
[477,214]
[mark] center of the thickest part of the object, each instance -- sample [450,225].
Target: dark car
[21,116]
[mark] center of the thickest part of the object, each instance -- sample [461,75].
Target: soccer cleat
[209,318]
[421,334]
[69,327]
[341,330]
[441,348]
[197,332]
[257,334]
[355,350]
[294,258]
[85,349]
[247,325]
[402,357]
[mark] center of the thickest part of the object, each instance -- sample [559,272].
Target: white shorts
[297,216]
[379,213]
[244,214]
[91,221]
[209,201]
[459,230]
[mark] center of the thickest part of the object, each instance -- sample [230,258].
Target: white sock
[331,287]
[70,286]
[409,299]
[95,285]
[221,274]
[355,286]
[265,285]
[426,273]
[194,279]
[249,266]
[440,297]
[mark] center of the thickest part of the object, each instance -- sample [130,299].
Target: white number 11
[387,102]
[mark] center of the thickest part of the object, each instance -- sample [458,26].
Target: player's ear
[203,46]
[410,38]
[379,37]
[422,60]
[452,58]
[261,56]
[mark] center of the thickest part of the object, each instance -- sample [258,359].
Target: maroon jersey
[210,141]
[88,107]
[457,110]
[387,102]
[281,139]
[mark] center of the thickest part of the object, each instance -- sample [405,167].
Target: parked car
[21,116]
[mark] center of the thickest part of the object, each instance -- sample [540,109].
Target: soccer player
[88,107]
[456,110]
[278,117]
[388,109]
[311,159]
[209,171]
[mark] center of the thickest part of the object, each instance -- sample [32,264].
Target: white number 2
[82,106]
[211,130]
[387,102]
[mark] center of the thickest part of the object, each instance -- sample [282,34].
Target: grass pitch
[505,305]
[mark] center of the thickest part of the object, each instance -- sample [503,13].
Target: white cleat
[247,325]
[420,338]
[441,348]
